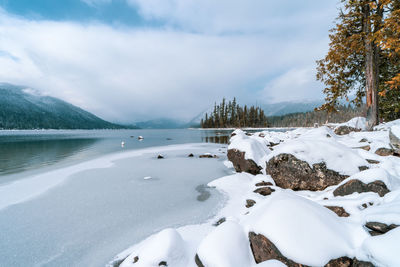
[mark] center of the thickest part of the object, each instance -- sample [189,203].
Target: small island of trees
[231,115]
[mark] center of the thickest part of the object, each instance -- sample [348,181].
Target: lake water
[77,198]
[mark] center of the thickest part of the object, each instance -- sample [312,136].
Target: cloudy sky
[132,60]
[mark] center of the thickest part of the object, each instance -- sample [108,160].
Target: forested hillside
[24,109]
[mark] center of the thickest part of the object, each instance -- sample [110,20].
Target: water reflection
[218,139]
[22,156]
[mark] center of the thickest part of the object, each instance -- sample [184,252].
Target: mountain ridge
[24,108]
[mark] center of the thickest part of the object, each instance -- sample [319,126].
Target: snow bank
[357,123]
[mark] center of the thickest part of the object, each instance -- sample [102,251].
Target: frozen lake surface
[77,198]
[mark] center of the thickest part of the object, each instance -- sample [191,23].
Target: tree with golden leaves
[361,61]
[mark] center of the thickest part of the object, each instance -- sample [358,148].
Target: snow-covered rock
[226,246]
[247,153]
[166,246]
[292,222]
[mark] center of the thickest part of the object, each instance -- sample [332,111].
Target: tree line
[230,114]
[363,61]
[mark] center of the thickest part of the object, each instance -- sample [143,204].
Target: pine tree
[357,61]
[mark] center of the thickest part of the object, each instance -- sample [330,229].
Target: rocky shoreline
[328,196]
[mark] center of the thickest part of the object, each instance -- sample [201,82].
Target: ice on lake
[88,217]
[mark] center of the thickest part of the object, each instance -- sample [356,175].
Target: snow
[226,246]
[166,245]
[255,147]
[297,222]
[313,150]
[384,248]
[292,222]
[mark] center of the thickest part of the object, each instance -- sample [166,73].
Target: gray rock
[264,191]
[383,151]
[340,211]
[377,228]
[291,173]
[250,203]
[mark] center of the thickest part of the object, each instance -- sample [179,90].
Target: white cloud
[294,85]
[96,2]
[129,74]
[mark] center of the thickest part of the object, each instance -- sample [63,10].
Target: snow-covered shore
[318,198]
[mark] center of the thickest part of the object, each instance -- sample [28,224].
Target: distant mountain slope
[282,108]
[161,123]
[23,108]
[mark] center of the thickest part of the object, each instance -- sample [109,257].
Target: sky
[134,60]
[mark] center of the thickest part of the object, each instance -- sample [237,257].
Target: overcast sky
[132,60]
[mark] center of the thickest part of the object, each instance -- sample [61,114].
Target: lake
[78,198]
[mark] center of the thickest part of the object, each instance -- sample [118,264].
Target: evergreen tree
[357,61]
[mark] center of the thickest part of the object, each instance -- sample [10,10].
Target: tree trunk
[371,71]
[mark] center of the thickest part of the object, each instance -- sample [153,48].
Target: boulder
[340,211]
[160,156]
[377,228]
[265,191]
[356,185]
[250,203]
[263,249]
[344,129]
[383,151]
[191,155]
[291,173]
[241,164]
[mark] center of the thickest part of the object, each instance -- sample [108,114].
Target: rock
[377,228]
[250,203]
[140,137]
[394,136]
[263,183]
[340,211]
[355,185]
[363,168]
[190,155]
[384,152]
[372,161]
[241,164]
[343,129]
[263,249]
[163,263]
[135,259]
[198,261]
[363,140]
[206,156]
[265,191]
[160,156]
[340,262]
[366,148]
[220,221]
[347,262]
[291,173]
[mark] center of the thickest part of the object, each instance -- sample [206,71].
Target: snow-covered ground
[296,222]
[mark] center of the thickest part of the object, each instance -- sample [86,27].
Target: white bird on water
[140,137]
[122,144]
